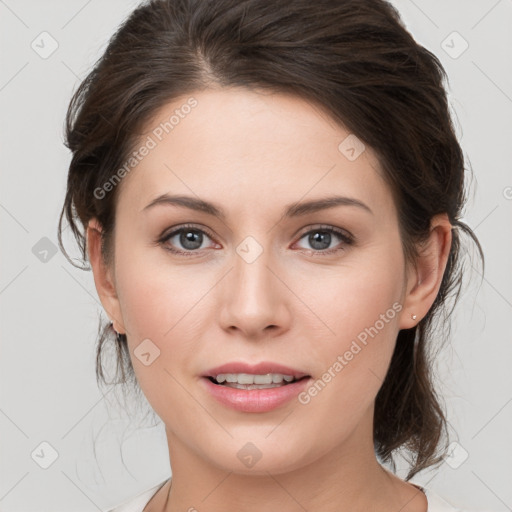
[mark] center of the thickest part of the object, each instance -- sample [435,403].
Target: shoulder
[138,502]
[437,503]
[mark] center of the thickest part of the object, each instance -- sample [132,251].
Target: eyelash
[347,239]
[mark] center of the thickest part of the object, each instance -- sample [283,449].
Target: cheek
[165,303]
[361,306]
[157,304]
[363,290]
[154,292]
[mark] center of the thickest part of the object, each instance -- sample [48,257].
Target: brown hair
[354,58]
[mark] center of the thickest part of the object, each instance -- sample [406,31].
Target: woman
[271,197]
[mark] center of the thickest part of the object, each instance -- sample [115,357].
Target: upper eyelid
[321,227]
[192,227]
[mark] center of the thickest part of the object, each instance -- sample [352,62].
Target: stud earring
[413,317]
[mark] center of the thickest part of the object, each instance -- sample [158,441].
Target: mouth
[243,394]
[246,381]
[263,375]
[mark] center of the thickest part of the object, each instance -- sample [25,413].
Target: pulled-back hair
[353,58]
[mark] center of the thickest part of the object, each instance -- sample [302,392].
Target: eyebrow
[292,210]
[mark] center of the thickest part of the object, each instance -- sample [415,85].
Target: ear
[424,281]
[103,276]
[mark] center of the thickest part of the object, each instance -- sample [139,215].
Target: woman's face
[257,284]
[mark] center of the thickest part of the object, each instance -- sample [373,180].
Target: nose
[255,302]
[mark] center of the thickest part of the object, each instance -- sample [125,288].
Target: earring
[413,317]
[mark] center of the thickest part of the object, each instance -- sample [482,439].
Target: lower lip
[255,400]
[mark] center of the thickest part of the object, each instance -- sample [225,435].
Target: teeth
[246,378]
[252,386]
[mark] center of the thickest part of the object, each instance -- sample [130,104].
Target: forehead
[250,149]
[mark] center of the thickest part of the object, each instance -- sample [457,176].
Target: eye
[189,237]
[321,237]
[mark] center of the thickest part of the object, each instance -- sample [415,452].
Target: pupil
[318,236]
[191,237]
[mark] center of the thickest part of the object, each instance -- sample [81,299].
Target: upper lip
[258,369]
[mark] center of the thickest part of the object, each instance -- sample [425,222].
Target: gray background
[50,310]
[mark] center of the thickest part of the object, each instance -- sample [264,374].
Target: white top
[137,503]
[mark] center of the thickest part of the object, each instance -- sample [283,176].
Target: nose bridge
[253,298]
[252,277]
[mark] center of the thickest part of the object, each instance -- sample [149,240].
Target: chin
[258,458]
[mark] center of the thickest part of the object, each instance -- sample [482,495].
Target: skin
[253,153]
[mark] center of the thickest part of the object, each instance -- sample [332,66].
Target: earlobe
[103,276]
[428,275]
